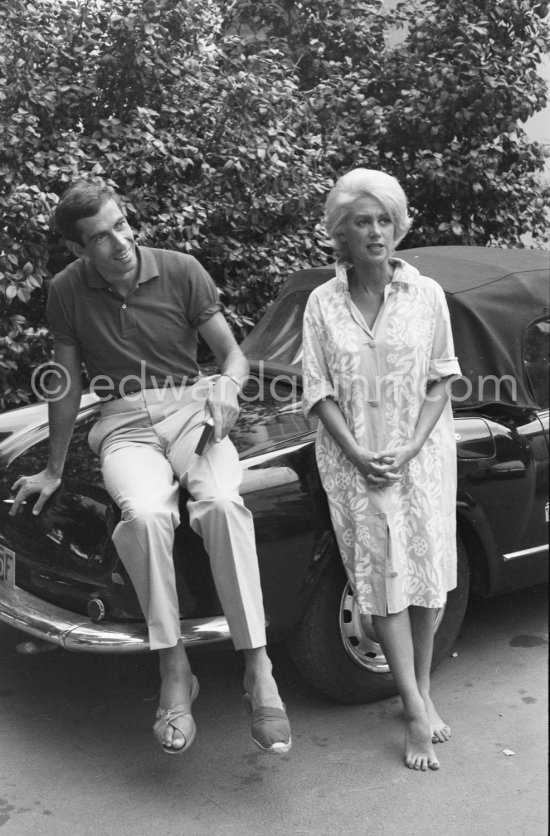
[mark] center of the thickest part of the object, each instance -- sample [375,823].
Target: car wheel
[338,657]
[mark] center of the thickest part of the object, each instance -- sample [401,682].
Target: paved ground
[77,756]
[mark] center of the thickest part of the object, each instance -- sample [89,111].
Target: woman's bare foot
[419,751]
[440,730]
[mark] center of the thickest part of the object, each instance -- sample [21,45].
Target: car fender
[475,531]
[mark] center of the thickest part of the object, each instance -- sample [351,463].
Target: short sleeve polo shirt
[146,340]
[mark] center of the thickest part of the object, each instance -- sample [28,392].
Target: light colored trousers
[146,442]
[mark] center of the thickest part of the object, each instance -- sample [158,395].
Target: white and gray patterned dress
[398,542]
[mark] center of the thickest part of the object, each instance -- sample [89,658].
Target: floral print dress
[398,542]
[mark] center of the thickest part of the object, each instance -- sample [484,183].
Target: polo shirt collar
[147,269]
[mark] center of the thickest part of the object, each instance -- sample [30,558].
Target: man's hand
[62,414]
[43,483]
[222,403]
[224,406]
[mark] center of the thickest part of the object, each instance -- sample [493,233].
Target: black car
[62,582]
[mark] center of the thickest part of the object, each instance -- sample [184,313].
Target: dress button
[124,307]
[371,345]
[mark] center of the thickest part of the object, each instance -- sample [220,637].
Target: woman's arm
[434,403]
[376,468]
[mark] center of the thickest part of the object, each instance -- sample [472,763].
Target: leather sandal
[168,717]
[270,729]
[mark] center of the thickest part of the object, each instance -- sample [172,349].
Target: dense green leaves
[454,105]
[225,123]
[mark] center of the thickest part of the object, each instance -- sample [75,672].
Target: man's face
[108,242]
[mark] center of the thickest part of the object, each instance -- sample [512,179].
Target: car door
[530,556]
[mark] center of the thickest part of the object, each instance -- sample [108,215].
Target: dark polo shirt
[148,339]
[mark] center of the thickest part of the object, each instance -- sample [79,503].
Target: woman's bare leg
[395,635]
[422,628]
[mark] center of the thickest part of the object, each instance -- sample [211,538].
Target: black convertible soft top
[493,295]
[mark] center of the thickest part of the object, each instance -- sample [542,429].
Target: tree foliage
[225,123]
[455,102]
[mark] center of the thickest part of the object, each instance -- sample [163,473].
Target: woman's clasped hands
[384,468]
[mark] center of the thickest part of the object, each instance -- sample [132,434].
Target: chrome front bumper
[47,622]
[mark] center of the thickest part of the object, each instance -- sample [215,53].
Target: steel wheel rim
[359,639]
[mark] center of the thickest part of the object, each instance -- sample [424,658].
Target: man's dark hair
[81,200]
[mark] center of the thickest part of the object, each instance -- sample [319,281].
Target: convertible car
[62,583]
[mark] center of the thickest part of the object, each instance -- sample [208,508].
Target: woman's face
[369,232]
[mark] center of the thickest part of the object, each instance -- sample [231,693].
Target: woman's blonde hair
[365,182]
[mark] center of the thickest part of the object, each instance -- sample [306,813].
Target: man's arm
[62,414]
[223,403]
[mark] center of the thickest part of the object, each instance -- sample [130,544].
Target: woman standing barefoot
[378,359]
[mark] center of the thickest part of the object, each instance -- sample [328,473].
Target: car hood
[270,419]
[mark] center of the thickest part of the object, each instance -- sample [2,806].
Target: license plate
[7,567]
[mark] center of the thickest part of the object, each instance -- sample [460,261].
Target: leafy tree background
[225,123]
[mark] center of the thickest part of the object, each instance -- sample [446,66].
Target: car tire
[338,659]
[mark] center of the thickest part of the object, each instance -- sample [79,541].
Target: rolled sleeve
[202,296]
[443,360]
[443,368]
[317,380]
[207,314]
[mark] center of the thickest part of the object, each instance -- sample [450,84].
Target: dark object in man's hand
[206,436]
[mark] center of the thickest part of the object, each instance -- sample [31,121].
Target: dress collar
[404,273]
